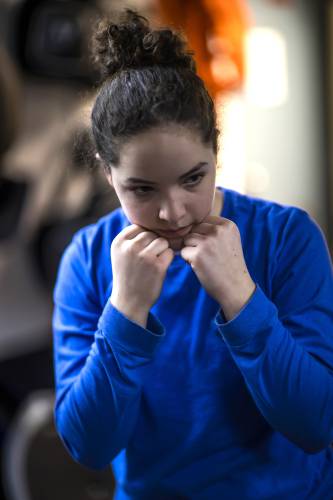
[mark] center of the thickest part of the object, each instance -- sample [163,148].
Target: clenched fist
[140,260]
[214,250]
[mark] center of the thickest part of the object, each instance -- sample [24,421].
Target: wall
[289,140]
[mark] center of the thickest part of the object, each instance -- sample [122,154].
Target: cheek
[203,206]
[138,213]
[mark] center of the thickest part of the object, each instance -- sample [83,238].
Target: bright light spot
[266,82]
[257,179]
[231,158]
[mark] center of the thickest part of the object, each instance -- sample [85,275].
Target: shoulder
[95,237]
[281,234]
[86,260]
[294,238]
[259,214]
[239,204]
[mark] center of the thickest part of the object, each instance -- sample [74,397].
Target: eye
[194,180]
[141,190]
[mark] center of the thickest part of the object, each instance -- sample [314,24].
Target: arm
[284,346]
[100,361]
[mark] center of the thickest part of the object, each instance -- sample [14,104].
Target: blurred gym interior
[50,186]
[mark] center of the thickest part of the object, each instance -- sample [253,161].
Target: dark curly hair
[150,81]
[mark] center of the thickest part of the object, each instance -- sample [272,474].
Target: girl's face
[165,181]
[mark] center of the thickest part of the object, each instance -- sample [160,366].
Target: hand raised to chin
[214,250]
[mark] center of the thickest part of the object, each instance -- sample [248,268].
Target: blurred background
[269,66]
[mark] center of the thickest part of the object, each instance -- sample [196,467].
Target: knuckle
[116,240]
[169,252]
[231,225]
[131,250]
[145,238]
[195,260]
[134,247]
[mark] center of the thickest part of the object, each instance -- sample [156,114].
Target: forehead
[162,154]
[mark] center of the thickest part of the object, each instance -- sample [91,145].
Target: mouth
[178,233]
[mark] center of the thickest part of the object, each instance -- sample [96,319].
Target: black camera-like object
[52,38]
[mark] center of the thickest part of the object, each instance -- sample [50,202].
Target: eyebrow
[193,170]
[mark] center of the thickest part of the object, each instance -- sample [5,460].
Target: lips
[175,234]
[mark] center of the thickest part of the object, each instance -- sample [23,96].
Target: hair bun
[132,43]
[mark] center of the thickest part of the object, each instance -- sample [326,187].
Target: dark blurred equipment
[51,38]
[25,350]
[12,192]
[50,41]
[10,98]
[38,216]
[24,309]
[78,195]
[36,465]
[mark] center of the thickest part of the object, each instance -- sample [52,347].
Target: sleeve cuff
[116,327]
[255,317]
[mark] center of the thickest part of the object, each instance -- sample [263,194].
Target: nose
[172,210]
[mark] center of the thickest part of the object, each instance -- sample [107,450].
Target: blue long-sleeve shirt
[194,406]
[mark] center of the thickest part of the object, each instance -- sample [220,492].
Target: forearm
[292,389]
[97,407]
[130,309]
[98,412]
[236,299]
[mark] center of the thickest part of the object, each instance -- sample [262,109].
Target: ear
[107,169]
[108,176]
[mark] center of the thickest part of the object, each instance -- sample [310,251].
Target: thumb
[214,219]
[166,257]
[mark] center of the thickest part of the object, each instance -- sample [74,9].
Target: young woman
[193,326]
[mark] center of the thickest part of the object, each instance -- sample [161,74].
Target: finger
[157,246]
[210,220]
[188,253]
[203,228]
[131,231]
[193,240]
[166,257]
[214,219]
[143,239]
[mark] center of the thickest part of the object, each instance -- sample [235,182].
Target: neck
[218,203]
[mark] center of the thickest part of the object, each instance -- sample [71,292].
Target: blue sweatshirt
[194,406]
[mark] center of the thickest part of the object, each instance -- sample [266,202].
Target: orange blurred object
[215,30]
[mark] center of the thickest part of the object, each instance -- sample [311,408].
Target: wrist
[237,299]
[133,312]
